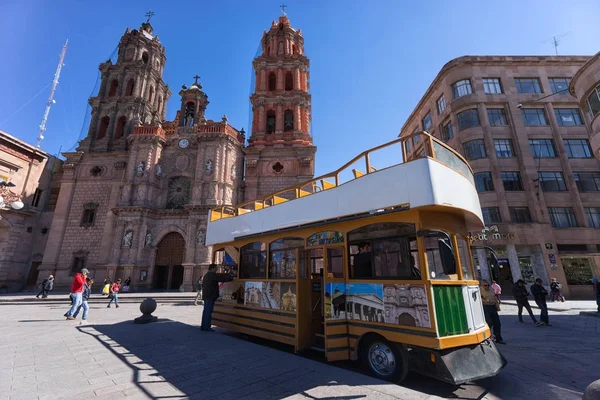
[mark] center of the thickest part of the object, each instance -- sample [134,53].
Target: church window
[113,88]
[190,111]
[278,167]
[280,48]
[120,130]
[294,49]
[160,101]
[78,263]
[145,57]
[157,65]
[253,261]
[96,171]
[288,120]
[103,127]
[129,89]
[89,214]
[151,95]
[178,192]
[289,81]
[272,82]
[129,54]
[271,121]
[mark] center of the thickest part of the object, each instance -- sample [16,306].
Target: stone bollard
[147,307]
[592,392]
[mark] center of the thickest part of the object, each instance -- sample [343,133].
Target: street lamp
[520,105]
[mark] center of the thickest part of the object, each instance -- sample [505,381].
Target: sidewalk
[569,305]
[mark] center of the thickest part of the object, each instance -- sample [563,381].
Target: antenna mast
[555,41]
[51,98]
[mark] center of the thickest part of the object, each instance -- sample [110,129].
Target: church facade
[135,195]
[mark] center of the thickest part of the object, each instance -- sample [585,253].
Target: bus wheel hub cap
[382,359]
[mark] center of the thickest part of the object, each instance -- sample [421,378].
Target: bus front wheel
[384,360]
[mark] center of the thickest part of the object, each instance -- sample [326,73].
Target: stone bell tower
[132,92]
[280,150]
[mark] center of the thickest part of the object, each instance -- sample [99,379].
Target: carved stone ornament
[233,173]
[251,163]
[208,167]
[148,239]
[128,239]
[201,238]
[159,170]
[139,170]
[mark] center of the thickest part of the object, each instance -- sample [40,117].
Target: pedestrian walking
[87,291]
[497,290]
[556,291]
[77,292]
[539,292]
[114,293]
[106,287]
[210,294]
[47,285]
[596,286]
[199,294]
[520,293]
[490,310]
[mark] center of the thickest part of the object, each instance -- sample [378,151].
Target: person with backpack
[47,285]
[114,293]
[556,291]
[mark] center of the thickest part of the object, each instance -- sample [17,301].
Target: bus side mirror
[447,256]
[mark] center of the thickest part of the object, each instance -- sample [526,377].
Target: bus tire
[383,359]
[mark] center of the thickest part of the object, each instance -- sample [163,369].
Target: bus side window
[465,261]
[439,254]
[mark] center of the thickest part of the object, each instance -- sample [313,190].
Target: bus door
[310,300]
[334,294]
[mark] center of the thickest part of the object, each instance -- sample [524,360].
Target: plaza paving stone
[45,357]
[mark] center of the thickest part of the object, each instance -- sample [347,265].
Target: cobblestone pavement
[46,357]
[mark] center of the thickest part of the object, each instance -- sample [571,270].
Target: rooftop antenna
[51,98]
[555,40]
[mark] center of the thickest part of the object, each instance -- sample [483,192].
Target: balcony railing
[370,161]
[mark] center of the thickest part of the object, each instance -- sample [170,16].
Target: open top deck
[431,175]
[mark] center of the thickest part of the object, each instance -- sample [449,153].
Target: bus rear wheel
[384,360]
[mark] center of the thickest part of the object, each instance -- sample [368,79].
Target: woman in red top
[114,293]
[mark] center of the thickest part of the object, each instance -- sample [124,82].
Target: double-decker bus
[376,267]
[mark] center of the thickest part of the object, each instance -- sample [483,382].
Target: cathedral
[135,194]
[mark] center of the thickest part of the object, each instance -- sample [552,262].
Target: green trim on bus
[450,310]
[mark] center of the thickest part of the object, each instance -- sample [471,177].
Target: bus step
[319,349]
[319,340]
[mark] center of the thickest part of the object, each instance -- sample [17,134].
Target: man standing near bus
[490,309]
[210,294]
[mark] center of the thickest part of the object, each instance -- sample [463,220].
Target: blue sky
[370,62]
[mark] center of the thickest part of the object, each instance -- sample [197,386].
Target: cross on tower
[283,7]
[149,14]
[196,79]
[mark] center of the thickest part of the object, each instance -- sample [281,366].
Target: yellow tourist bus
[370,262]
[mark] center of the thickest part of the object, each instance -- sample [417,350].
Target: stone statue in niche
[148,240]
[201,238]
[209,167]
[128,239]
[233,173]
[280,48]
[140,168]
[159,170]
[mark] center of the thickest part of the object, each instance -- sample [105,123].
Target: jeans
[85,307]
[198,297]
[207,314]
[493,320]
[115,298]
[77,300]
[544,311]
[525,304]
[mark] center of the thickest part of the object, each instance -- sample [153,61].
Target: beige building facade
[29,178]
[528,140]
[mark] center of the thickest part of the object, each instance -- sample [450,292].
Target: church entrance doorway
[168,268]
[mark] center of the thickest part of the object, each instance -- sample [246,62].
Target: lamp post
[520,105]
[8,199]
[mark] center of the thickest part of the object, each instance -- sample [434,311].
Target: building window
[441,104]
[408,146]
[528,85]
[178,192]
[447,133]
[461,88]
[491,215]
[474,149]
[492,86]
[89,214]
[497,117]
[542,148]
[467,119]
[129,88]
[559,85]
[592,214]
[272,82]
[427,122]
[253,261]
[577,148]
[104,122]
[593,102]
[282,258]
[120,129]
[552,182]
[587,181]
[37,196]
[568,116]
[484,182]
[503,148]
[534,116]
[289,81]
[562,217]
[271,118]
[114,85]
[512,181]
[520,215]
[288,120]
[78,262]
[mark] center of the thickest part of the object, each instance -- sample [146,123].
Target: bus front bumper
[460,364]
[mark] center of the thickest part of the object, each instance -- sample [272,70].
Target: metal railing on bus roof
[428,147]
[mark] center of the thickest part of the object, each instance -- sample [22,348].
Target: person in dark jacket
[210,294]
[87,291]
[596,286]
[362,261]
[539,292]
[520,293]
[47,286]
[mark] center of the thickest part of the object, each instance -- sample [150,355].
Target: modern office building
[528,141]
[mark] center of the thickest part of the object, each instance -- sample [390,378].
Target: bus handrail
[423,149]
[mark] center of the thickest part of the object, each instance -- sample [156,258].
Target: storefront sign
[552,258]
[491,233]
[323,238]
